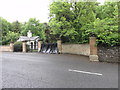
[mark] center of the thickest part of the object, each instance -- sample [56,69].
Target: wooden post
[39,45]
[59,45]
[93,49]
[11,47]
[24,48]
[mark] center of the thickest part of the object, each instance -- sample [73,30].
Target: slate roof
[25,38]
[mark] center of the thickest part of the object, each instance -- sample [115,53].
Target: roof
[25,38]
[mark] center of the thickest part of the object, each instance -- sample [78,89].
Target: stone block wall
[109,54]
[4,48]
[105,54]
[81,49]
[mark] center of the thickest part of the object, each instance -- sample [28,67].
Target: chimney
[29,34]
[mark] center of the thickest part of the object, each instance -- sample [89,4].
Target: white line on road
[84,72]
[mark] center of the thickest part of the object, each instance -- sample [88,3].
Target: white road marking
[99,74]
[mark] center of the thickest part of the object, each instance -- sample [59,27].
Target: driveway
[35,70]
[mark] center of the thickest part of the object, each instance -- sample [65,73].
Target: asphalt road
[35,70]
[0,71]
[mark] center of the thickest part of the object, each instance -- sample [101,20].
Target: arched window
[31,45]
[35,45]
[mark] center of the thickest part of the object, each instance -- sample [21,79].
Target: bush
[28,48]
[18,47]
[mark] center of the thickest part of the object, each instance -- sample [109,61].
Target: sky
[22,10]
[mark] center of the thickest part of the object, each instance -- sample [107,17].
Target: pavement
[36,70]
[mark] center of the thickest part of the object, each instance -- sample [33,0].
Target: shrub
[28,48]
[18,47]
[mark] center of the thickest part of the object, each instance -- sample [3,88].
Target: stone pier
[59,45]
[93,49]
[39,45]
[24,48]
[11,47]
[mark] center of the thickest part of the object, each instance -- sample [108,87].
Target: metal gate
[49,48]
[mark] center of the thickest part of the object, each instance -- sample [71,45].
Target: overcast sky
[22,10]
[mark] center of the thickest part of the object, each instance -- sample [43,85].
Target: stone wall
[105,54]
[4,48]
[82,49]
[109,54]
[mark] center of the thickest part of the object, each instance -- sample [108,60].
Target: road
[35,70]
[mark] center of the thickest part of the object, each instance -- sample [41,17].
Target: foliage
[16,27]
[74,22]
[37,28]
[50,38]
[6,26]
[106,25]
[9,33]
[18,47]
[12,31]
[10,37]
[67,19]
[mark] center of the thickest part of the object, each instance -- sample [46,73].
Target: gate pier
[24,48]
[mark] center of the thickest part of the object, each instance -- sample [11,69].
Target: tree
[84,14]
[35,26]
[16,27]
[106,25]
[11,37]
[61,20]
[6,27]
[67,19]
